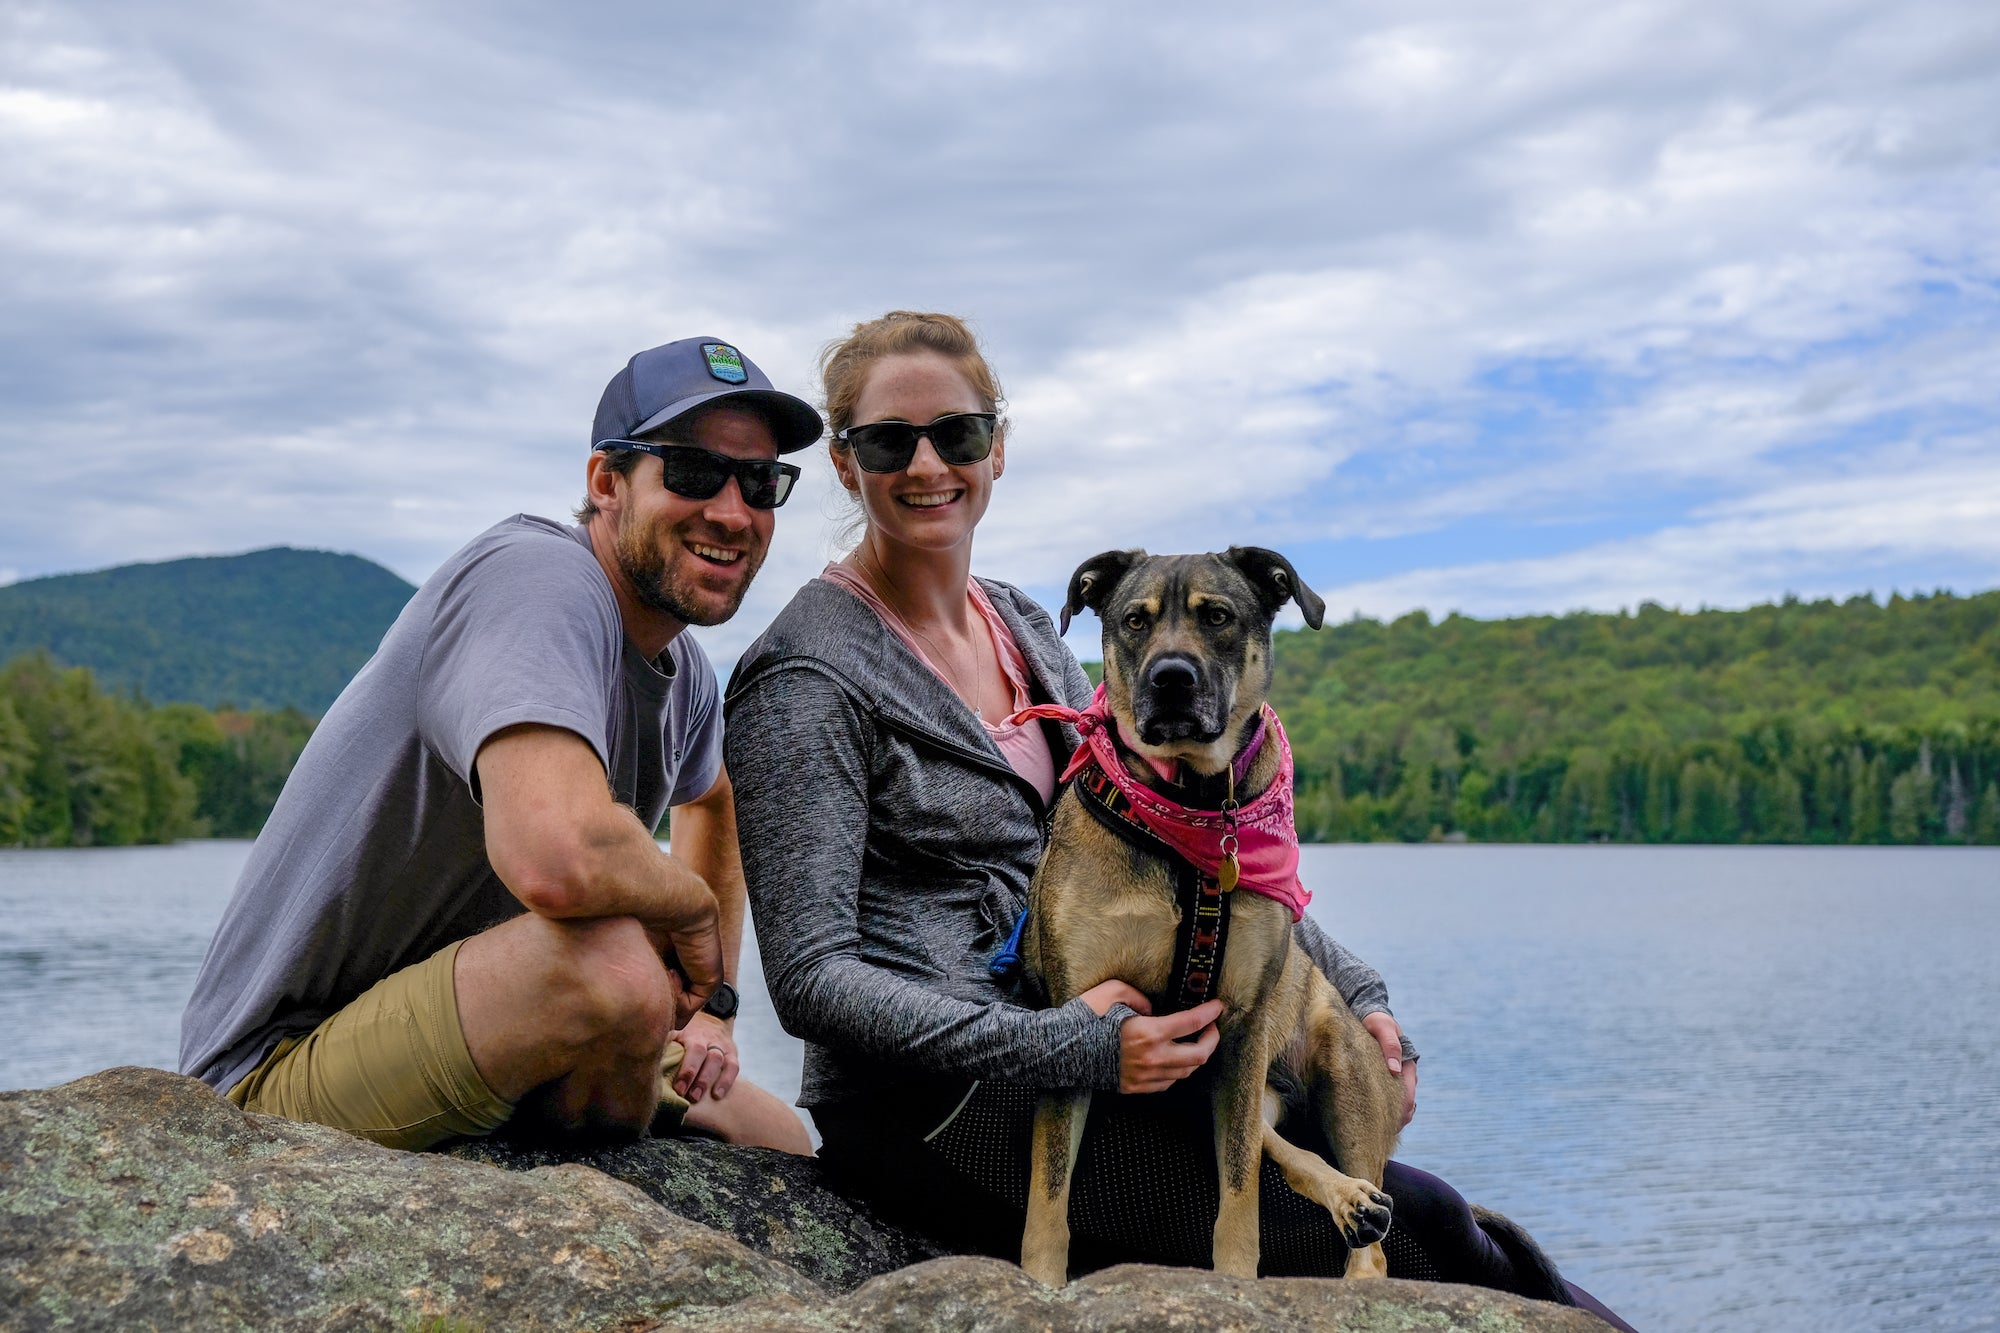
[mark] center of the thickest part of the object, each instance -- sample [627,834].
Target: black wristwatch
[723,1003]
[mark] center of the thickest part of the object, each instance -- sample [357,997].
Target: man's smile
[715,555]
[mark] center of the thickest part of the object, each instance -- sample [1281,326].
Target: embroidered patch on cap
[725,363]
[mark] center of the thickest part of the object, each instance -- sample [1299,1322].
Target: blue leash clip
[1006,965]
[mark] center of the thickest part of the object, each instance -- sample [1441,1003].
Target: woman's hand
[1384,1029]
[710,1066]
[1151,1056]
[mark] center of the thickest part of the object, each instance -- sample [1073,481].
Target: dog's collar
[1260,835]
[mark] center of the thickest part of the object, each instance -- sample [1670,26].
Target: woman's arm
[798,751]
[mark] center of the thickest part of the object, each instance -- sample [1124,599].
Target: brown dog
[1187,664]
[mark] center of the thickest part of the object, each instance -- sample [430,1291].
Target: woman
[891,817]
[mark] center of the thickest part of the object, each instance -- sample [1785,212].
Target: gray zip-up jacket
[888,847]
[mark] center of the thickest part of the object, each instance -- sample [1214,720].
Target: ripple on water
[1728,1088]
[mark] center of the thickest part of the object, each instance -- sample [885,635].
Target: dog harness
[1211,852]
[1203,898]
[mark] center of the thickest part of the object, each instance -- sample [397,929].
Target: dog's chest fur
[1120,926]
[1103,909]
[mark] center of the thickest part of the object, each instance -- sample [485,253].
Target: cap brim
[795,424]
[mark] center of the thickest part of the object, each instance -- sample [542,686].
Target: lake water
[1728,1088]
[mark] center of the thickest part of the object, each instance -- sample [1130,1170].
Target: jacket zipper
[971,756]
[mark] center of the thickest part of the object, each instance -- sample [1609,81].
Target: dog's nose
[1172,672]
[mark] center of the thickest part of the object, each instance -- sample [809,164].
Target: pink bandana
[1268,841]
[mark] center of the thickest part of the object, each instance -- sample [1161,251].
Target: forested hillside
[1822,722]
[83,768]
[271,629]
[1802,722]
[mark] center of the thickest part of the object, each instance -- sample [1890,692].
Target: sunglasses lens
[884,446]
[765,485]
[962,439]
[888,446]
[694,473]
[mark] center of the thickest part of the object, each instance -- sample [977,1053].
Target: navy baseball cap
[662,383]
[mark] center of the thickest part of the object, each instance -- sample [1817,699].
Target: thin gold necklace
[950,669]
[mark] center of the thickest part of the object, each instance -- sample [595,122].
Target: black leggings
[1144,1191]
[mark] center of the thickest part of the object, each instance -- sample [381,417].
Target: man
[457,914]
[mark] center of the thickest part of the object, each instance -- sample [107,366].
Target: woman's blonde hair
[844,364]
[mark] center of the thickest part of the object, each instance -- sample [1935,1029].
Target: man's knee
[611,979]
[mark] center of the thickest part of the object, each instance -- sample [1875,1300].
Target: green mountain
[270,629]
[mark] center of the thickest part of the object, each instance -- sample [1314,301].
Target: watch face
[723,1003]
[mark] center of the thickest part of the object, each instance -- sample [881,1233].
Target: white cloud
[353,279]
[1944,517]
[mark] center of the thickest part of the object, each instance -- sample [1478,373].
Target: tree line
[1821,722]
[84,767]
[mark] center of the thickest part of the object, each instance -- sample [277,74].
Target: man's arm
[703,837]
[566,849]
[702,834]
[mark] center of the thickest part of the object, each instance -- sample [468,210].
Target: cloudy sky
[1506,308]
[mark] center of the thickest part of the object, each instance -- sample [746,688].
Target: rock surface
[139,1199]
[776,1203]
[136,1199]
[950,1295]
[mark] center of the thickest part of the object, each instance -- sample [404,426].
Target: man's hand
[710,1066]
[1151,1055]
[1384,1030]
[692,949]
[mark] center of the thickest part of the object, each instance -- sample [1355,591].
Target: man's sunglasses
[888,446]
[700,474]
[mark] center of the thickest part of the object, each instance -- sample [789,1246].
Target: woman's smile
[930,499]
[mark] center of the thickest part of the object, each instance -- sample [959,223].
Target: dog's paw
[1359,1210]
[1369,1222]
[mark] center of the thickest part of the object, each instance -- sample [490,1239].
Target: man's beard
[645,570]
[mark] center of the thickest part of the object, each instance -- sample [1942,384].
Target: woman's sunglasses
[888,446]
[700,474]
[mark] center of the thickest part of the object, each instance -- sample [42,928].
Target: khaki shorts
[393,1067]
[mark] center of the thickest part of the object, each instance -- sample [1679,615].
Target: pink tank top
[1021,744]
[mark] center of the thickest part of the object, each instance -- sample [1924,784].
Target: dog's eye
[1136,621]
[1216,615]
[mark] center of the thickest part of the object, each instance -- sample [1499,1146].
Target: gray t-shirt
[375,855]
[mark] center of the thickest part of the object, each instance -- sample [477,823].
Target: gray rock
[775,1202]
[963,1295]
[136,1199]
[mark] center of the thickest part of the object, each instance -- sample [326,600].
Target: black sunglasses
[888,446]
[700,474]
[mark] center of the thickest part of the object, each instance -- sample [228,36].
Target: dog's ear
[1277,582]
[1094,579]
